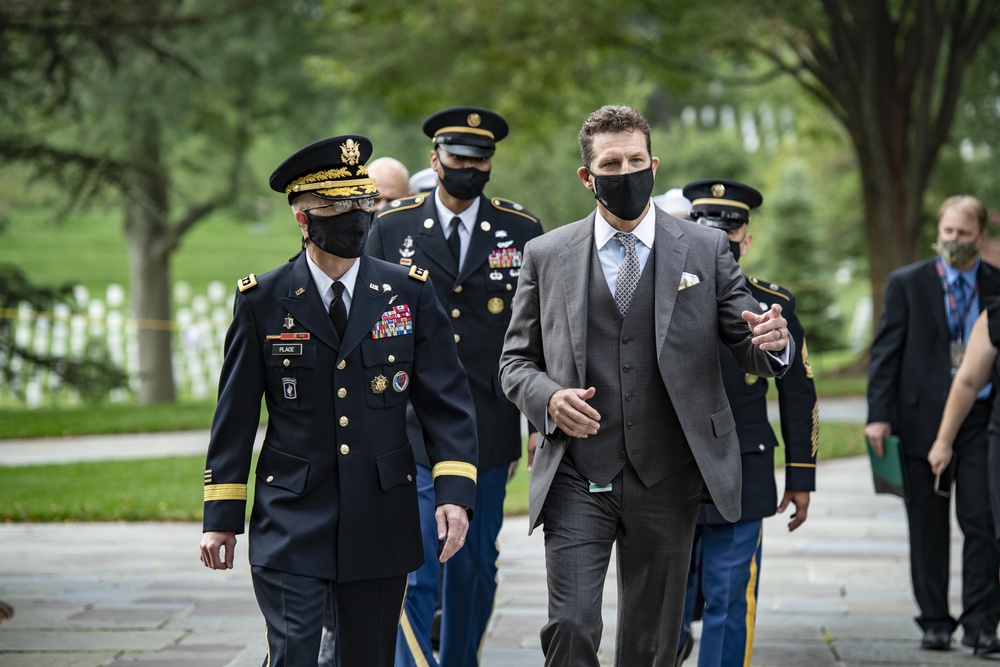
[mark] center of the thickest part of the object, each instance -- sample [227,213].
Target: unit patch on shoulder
[419,274]
[246,283]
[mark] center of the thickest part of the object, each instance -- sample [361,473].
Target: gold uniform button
[509,287]
[458,289]
[341,392]
[392,358]
[270,478]
[760,447]
[344,421]
[342,365]
[456,313]
[409,478]
[287,363]
[457,338]
[345,450]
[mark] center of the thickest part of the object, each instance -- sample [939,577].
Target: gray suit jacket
[545,348]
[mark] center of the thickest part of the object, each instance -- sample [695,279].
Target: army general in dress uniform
[472,245]
[725,561]
[337,343]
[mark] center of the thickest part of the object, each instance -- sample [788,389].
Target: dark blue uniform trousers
[725,571]
[469,582]
[365,616]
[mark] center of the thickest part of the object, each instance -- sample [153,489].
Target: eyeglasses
[345,205]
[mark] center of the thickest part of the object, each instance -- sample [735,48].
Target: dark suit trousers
[365,617]
[652,531]
[929,517]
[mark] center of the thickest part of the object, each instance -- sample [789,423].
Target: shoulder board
[771,288]
[512,207]
[246,283]
[419,274]
[403,204]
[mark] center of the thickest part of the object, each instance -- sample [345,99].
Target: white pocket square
[688,279]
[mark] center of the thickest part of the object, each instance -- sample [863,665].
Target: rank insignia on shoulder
[419,274]
[246,283]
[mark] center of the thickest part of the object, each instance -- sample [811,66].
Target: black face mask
[464,184]
[734,248]
[344,235]
[625,196]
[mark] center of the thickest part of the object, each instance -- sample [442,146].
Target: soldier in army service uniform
[338,344]
[725,560]
[472,245]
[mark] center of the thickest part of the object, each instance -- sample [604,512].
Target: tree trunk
[149,240]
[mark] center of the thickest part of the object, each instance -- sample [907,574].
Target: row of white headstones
[101,328]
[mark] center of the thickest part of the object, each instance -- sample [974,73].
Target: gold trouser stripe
[457,468]
[225,492]
[411,641]
[801,465]
[752,600]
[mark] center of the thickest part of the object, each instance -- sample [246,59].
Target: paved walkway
[835,592]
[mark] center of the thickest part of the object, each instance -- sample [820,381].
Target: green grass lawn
[170,489]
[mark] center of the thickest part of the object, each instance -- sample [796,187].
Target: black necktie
[454,241]
[338,311]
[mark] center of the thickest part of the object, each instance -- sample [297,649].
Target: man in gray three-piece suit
[612,352]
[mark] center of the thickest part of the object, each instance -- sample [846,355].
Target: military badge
[500,234]
[495,305]
[407,249]
[350,151]
[288,336]
[289,322]
[386,287]
[396,321]
[505,258]
[379,383]
[288,386]
[406,261]
[496,275]
[400,381]
[505,244]
[300,291]
[514,273]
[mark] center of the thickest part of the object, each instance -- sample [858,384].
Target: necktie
[338,310]
[454,241]
[628,273]
[960,290]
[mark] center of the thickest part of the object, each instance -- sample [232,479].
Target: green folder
[888,470]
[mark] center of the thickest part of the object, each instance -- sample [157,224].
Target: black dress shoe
[936,640]
[684,650]
[982,642]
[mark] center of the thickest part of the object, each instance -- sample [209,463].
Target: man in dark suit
[726,557]
[472,246]
[613,349]
[337,343]
[930,307]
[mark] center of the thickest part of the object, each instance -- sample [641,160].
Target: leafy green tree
[155,102]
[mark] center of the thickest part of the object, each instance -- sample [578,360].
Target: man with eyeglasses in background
[338,344]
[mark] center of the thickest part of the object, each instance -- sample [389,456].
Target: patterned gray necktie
[628,273]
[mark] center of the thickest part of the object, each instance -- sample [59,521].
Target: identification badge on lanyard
[957,354]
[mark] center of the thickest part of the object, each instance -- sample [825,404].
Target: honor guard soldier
[725,561]
[472,246]
[338,344]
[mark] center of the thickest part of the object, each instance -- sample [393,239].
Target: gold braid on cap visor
[323,182]
[465,130]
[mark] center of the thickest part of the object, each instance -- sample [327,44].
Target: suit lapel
[575,264]
[306,305]
[669,253]
[368,302]
[431,239]
[933,292]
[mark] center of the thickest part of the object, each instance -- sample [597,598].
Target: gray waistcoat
[638,421]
